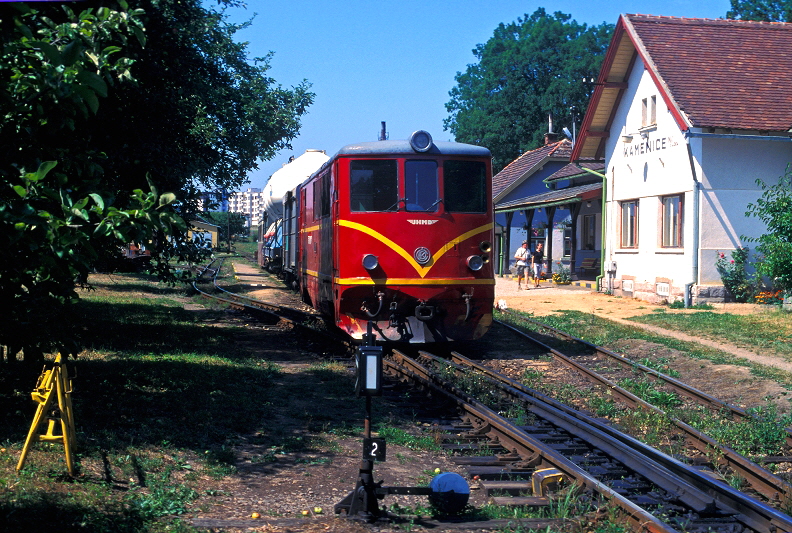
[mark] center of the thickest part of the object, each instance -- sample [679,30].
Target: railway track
[643,482]
[308,321]
[655,491]
[769,486]
[682,389]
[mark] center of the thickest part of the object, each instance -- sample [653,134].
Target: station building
[687,115]
[204,232]
[542,197]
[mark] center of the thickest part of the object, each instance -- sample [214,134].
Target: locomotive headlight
[370,262]
[421,141]
[475,262]
[485,246]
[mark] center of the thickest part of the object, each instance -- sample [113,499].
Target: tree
[102,110]
[764,10]
[774,208]
[528,69]
[200,114]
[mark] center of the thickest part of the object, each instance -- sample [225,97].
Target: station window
[671,220]
[373,185]
[420,185]
[629,224]
[465,186]
[649,111]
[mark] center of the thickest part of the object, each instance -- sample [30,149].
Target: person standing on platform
[537,261]
[521,255]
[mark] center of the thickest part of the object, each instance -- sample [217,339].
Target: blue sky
[371,61]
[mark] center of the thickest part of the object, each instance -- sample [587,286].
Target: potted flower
[561,275]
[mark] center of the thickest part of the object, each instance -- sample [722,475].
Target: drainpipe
[604,179]
[501,251]
[696,216]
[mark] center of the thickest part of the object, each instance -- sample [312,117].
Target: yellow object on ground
[53,394]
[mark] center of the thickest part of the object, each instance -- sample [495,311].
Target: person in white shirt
[521,256]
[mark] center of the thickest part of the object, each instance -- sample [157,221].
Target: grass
[603,332]
[401,437]
[568,505]
[761,332]
[160,401]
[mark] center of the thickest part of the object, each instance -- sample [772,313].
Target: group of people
[536,258]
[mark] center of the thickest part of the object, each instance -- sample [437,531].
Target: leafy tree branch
[113,118]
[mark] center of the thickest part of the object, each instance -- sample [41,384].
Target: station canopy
[559,197]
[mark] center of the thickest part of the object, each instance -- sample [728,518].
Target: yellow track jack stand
[53,394]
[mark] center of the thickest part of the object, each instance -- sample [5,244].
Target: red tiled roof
[722,73]
[560,150]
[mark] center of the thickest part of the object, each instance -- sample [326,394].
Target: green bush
[774,208]
[734,276]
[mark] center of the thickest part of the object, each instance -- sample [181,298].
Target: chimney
[383,136]
[551,137]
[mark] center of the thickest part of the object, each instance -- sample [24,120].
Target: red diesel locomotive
[398,233]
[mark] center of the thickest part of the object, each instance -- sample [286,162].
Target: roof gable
[711,73]
[524,166]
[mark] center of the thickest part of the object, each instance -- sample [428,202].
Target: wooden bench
[590,263]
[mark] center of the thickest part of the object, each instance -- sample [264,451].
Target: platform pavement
[507,286]
[250,274]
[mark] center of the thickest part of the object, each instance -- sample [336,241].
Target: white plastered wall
[646,163]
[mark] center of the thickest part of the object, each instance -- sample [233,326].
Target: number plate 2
[374,450]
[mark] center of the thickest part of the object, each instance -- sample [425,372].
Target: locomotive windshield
[465,186]
[373,185]
[420,185]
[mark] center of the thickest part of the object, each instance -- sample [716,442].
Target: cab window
[465,186]
[420,186]
[373,185]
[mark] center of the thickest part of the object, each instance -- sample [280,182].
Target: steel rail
[678,386]
[292,315]
[733,499]
[695,489]
[530,450]
[758,478]
[238,301]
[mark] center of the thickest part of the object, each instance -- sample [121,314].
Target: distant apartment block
[250,203]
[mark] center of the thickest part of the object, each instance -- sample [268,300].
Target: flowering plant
[734,276]
[770,297]
[561,275]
